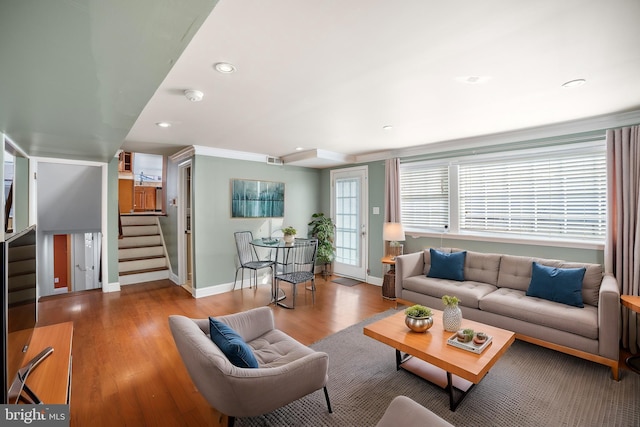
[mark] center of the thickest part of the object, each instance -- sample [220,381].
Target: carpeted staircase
[141,252]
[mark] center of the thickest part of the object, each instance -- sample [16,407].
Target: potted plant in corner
[451,315]
[289,234]
[323,229]
[418,318]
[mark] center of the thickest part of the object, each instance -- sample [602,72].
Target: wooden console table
[632,303]
[51,379]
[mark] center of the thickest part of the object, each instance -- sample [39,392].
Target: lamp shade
[393,232]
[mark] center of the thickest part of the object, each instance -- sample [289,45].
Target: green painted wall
[552,252]
[213,227]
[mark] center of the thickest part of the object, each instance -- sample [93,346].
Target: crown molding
[591,124]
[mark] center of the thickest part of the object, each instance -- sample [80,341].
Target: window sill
[512,239]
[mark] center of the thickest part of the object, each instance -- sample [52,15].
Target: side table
[632,303]
[389,280]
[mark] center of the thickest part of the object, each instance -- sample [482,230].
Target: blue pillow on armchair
[563,285]
[447,266]
[231,344]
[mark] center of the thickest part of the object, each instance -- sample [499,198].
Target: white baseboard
[111,287]
[212,290]
[228,287]
[174,278]
[374,280]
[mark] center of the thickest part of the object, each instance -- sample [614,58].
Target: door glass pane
[347,242]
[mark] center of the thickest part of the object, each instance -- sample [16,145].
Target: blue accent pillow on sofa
[447,266]
[562,285]
[231,344]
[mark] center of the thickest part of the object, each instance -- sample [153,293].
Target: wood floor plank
[126,369]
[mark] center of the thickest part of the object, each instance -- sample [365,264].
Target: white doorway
[86,261]
[349,190]
[185,264]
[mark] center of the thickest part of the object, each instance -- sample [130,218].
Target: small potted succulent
[465,335]
[289,234]
[418,318]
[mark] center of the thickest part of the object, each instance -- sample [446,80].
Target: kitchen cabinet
[125,195]
[144,198]
[125,162]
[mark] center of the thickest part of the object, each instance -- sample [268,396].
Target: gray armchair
[287,371]
[403,411]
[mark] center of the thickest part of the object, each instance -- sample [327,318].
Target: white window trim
[453,231]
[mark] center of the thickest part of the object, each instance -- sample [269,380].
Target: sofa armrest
[406,266]
[609,318]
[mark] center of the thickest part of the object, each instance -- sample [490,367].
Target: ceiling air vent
[274,160]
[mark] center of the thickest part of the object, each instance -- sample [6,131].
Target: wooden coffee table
[449,367]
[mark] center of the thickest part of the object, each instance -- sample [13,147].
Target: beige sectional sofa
[494,292]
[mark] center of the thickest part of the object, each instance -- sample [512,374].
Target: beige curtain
[622,246]
[392,190]
[391,193]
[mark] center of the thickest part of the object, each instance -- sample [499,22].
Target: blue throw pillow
[232,344]
[562,285]
[447,266]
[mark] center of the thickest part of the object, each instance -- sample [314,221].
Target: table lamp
[393,232]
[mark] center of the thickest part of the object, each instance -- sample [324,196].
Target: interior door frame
[182,224]
[364,217]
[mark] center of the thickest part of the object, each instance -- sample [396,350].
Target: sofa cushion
[515,271]
[275,348]
[447,265]
[469,292]
[427,258]
[563,285]
[481,267]
[231,344]
[591,282]
[515,304]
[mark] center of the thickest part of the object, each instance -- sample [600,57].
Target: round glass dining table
[280,255]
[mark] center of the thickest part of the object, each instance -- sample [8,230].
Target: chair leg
[236,278]
[232,421]
[326,396]
[293,305]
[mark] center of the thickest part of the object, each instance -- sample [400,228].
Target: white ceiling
[327,75]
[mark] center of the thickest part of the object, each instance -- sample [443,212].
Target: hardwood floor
[126,369]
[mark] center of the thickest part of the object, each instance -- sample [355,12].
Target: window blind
[557,195]
[424,196]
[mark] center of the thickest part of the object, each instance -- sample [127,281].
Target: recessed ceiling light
[473,80]
[224,67]
[574,83]
[387,127]
[163,124]
[299,148]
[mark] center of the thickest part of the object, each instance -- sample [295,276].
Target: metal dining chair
[296,265]
[248,258]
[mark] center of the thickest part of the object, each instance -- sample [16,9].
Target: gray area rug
[529,386]
[346,281]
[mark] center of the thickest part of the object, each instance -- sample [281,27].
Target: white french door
[349,191]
